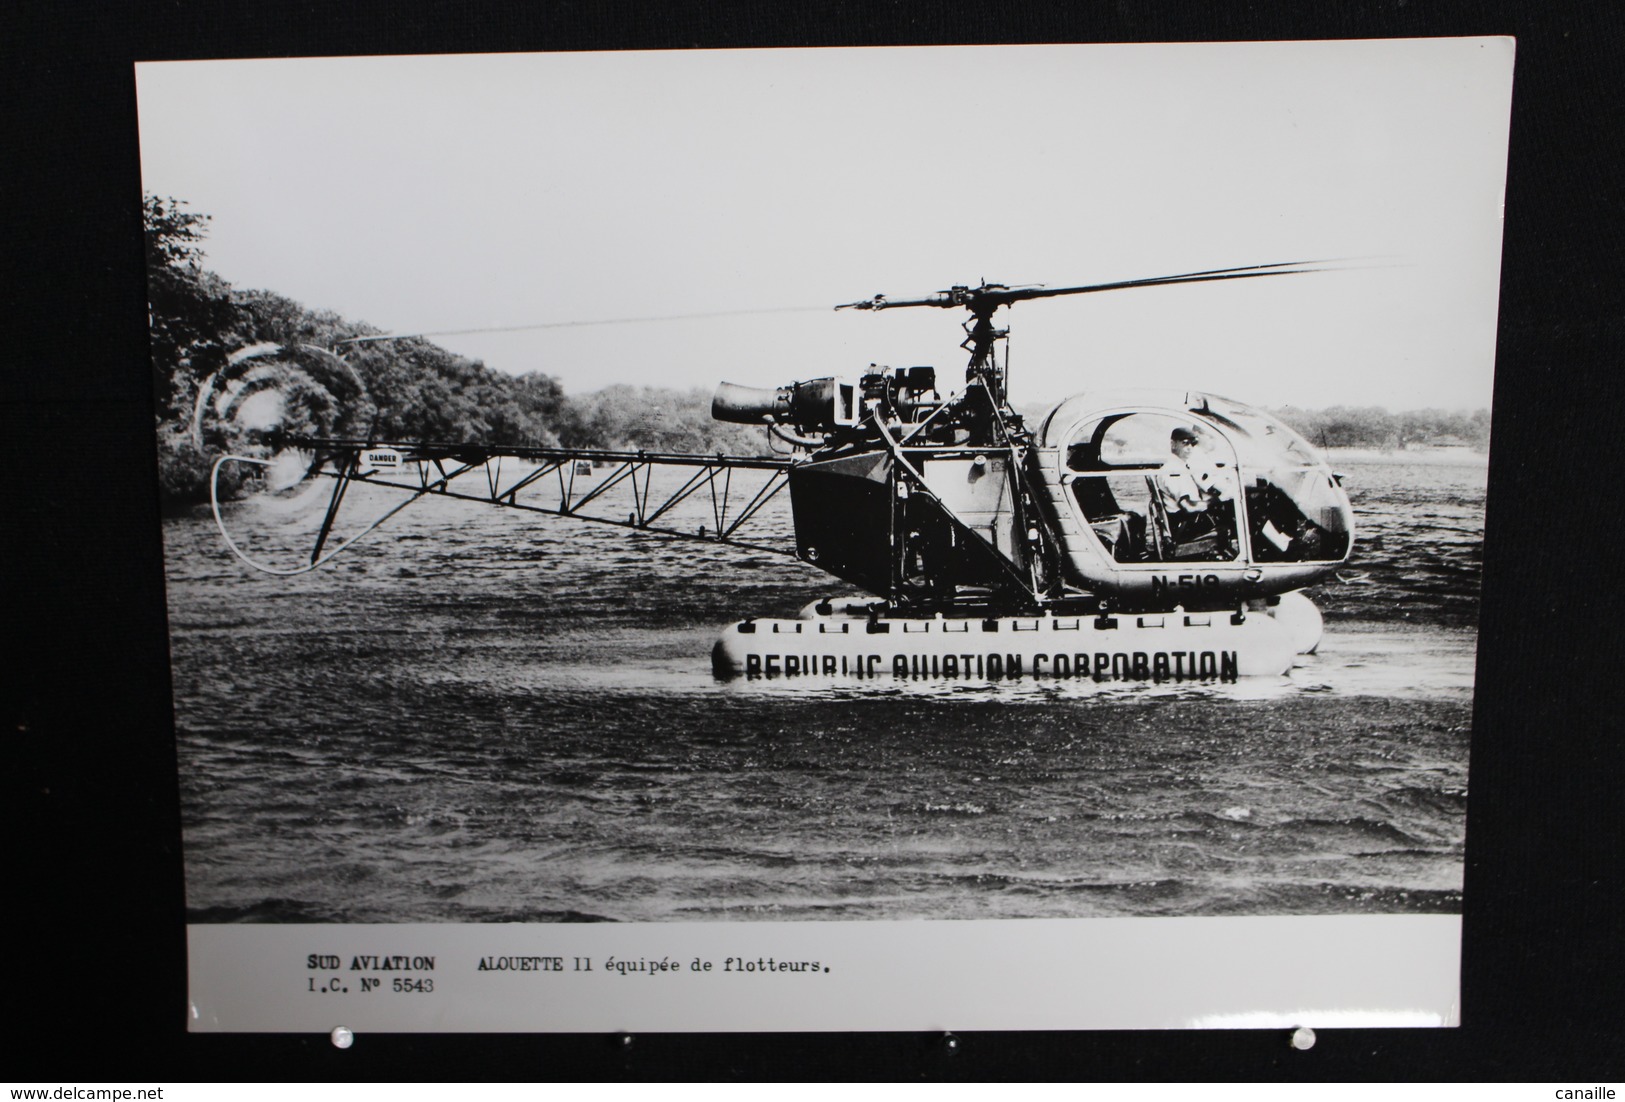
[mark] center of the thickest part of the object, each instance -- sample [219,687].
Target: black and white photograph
[839,489]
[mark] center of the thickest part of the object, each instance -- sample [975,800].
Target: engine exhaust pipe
[821,404]
[750,405]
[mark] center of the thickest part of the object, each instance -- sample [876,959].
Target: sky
[452,192]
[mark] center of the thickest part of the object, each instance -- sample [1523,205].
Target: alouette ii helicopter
[1132,535]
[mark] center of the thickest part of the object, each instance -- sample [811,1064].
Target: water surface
[479,715]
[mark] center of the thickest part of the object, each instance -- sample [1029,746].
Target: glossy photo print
[687,540]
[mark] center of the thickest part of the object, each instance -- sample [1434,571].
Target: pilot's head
[1182,442]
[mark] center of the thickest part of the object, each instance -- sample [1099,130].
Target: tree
[189,310]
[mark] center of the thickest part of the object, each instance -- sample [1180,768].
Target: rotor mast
[981,333]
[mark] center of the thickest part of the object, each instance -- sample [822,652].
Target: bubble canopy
[1165,476]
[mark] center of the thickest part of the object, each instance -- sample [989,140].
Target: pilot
[1188,485]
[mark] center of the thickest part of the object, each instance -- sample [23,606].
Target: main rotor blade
[992,295]
[576,324]
[1253,271]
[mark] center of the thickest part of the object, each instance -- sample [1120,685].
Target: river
[479,715]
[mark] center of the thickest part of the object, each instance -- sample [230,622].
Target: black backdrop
[95,968]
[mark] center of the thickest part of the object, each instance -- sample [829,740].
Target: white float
[839,640]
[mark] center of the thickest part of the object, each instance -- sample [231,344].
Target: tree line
[411,390]
[1375,427]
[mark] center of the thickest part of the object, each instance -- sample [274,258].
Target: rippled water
[485,716]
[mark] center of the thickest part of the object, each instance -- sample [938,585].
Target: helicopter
[1131,535]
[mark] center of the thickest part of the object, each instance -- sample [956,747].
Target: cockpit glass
[1295,510]
[1155,487]
[1221,483]
[1260,439]
[1297,514]
[1136,440]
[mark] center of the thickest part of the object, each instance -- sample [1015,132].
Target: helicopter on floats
[1131,535]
